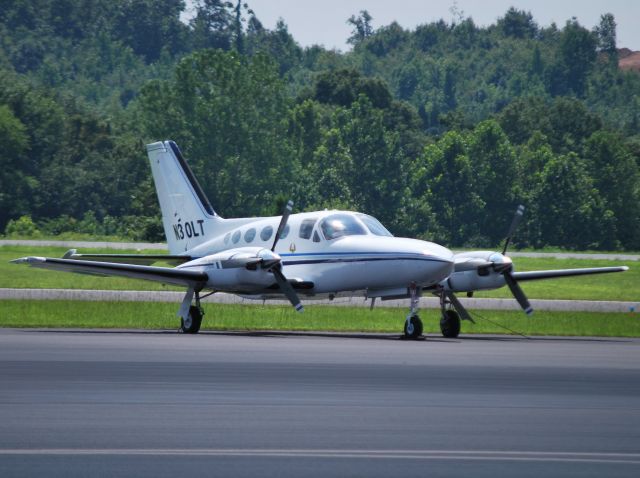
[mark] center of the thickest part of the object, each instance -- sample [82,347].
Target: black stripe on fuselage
[192,179]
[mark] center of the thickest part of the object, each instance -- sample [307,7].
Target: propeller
[283,223]
[514,224]
[286,288]
[513,285]
[274,262]
[517,292]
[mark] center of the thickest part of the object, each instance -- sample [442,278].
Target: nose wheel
[413,325]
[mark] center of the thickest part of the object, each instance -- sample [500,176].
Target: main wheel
[413,328]
[450,324]
[191,324]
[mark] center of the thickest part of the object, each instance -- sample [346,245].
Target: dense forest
[439,131]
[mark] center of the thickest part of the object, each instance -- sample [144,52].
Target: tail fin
[187,215]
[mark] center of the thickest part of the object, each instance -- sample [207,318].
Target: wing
[165,275]
[537,275]
[139,259]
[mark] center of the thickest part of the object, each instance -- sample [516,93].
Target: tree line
[438,131]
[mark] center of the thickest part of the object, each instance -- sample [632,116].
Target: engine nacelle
[236,270]
[472,280]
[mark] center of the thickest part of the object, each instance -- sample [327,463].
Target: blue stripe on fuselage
[370,256]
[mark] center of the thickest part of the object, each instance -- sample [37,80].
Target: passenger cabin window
[285,232]
[374,226]
[306,228]
[227,238]
[340,225]
[249,235]
[236,237]
[266,233]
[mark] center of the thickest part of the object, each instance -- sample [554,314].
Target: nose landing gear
[413,325]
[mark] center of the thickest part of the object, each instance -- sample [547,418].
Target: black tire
[450,324]
[413,329]
[193,322]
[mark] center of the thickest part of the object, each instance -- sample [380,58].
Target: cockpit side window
[339,225]
[306,228]
[374,226]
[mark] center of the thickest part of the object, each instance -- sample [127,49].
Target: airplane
[317,255]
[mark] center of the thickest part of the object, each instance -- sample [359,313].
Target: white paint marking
[486,455]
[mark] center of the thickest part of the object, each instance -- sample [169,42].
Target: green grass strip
[161,316]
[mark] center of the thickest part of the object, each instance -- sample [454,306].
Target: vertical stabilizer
[187,215]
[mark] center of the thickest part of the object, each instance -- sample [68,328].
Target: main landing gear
[450,321]
[413,325]
[190,315]
[191,324]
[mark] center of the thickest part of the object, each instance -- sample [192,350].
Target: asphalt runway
[127,403]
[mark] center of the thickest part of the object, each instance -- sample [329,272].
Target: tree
[229,115]
[606,33]
[452,184]
[344,86]
[278,43]
[14,187]
[576,56]
[496,170]
[212,25]
[148,26]
[518,24]
[569,210]
[362,28]
[616,175]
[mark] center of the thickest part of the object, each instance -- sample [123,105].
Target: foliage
[438,131]
[22,227]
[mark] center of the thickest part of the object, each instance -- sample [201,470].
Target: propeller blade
[459,307]
[287,289]
[518,293]
[283,223]
[514,224]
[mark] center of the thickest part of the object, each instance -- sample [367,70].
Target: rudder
[187,215]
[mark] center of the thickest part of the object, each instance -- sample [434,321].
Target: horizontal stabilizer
[537,275]
[166,275]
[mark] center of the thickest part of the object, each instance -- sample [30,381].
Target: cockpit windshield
[339,225]
[374,225]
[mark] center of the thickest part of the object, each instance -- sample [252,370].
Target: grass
[620,286]
[107,315]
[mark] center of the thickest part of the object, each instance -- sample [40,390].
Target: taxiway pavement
[129,403]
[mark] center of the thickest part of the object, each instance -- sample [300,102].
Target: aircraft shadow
[338,335]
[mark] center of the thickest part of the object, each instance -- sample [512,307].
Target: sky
[323,22]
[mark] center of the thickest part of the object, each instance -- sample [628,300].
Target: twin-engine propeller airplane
[322,254]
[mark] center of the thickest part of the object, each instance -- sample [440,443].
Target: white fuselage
[376,265]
